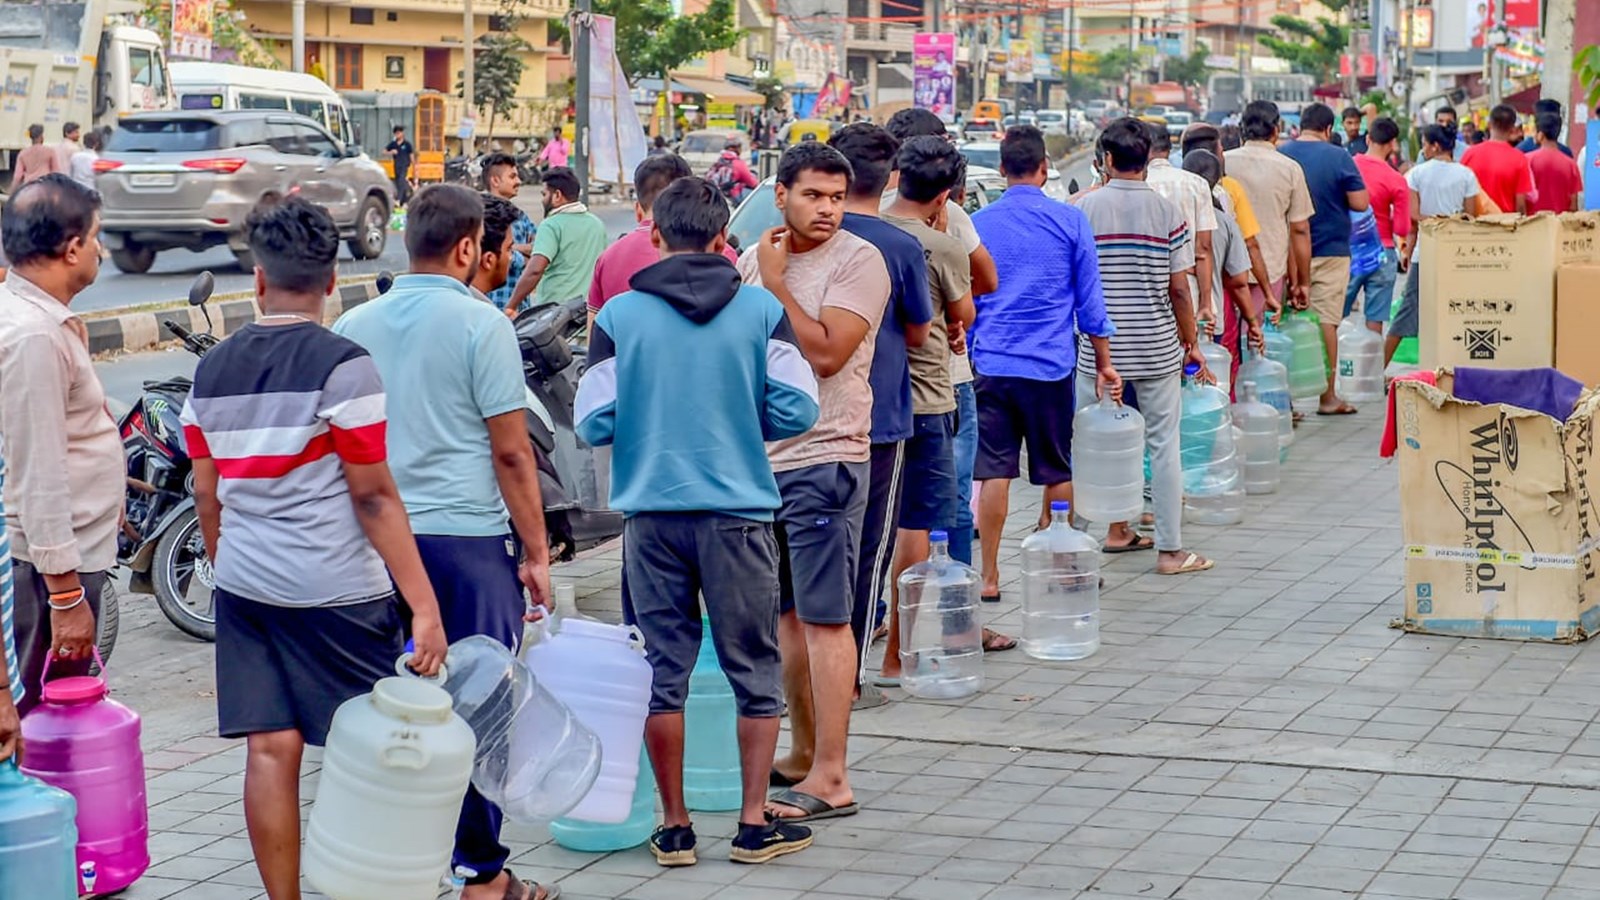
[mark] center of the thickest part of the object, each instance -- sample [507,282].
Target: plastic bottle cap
[1192,369]
[939,537]
[78,689]
[1060,506]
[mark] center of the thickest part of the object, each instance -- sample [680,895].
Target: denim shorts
[930,474]
[1379,287]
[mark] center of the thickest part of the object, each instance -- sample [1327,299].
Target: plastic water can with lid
[1257,431]
[394,773]
[1218,360]
[711,773]
[1107,462]
[1060,590]
[1366,247]
[941,636]
[83,742]
[1360,362]
[605,837]
[599,671]
[1308,367]
[534,759]
[1213,492]
[1271,380]
[38,842]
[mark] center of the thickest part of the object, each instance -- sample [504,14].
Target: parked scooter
[161,544]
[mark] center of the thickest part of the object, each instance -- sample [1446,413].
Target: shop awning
[718,89]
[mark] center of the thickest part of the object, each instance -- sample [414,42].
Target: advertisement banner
[617,142]
[934,74]
[1484,15]
[1019,62]
[1590,163]
[834,98]
[192,21]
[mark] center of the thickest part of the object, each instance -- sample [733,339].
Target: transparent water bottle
[1360,361]
[1107,468]
[1308,366]
[1366,247]
[1219,361]
[941,636]
[1257,425]
[1213,490]
[1060,590]
[1271,381]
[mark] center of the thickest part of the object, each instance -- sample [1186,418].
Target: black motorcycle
[161,544]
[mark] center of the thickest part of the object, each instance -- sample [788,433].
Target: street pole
[1411,74]
[583,34]
[469,40]
[1352,83]
[1069,41]
[1555,83]
[297,39]
[936,17]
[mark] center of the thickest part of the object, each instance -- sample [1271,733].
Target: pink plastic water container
[83,742]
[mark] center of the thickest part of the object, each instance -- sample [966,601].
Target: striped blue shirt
[7,602]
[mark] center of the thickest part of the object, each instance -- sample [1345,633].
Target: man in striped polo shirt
[1146,257]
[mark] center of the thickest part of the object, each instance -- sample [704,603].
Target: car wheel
[372,230]
[246,259]
[135,259]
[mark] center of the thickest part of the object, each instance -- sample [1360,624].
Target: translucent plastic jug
[1308,367]
[83,742]
[1060,590]
[1360,362]
[1280,347]
[1272,388]
[599,672]
[1213,491]
[1366,247]
[1257,426]
[711,774]
[534,759]
[605,837]
[1107,462]
[38,842]
[941,636]
[1218,360]
[393,775]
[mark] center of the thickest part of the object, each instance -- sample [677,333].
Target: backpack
[723,177]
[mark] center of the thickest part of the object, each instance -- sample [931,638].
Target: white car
[985,156]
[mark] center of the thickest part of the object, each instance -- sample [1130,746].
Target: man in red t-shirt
[1555,176]
[1501,168]
[1391,207]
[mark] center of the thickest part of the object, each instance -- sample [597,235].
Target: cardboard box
[1487,292]
[1500,509]
[1578,321]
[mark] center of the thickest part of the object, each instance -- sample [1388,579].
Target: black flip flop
[814,807]
[1140,542]
[990,598]
[779,780]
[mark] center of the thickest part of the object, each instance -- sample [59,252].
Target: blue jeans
[966,453]
[1379,285]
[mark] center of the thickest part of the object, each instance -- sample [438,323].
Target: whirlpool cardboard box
[1578,321]
[1500,508]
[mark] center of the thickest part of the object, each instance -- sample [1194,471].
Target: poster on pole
[834,98]
[617,141]
[1019,62]
[934,74]
[192,21]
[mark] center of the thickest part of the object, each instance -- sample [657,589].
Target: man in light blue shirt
[459,450]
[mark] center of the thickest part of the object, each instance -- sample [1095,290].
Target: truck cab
[130,75]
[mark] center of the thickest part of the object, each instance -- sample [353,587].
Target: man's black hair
[928,167]
[1203,135]
[295,244]
[1549,125]
[69,128]
[1447,109]
[1231,137]
[909,123]
[1383,130]
[35,132]
[1022,151]
[1348,113]
[1160,140]
[43,216]
[1316,117]
[93,141]
[1126,142]
[495,161]
[690,213]
[1546,105]
[1438,134]
[871,151]
[563,179]
[1205,164]
[399,128]
[810,156]
[1502,118]
[1259,121]
[499,214]
[439,217]
[654,174]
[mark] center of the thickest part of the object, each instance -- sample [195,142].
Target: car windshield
[164,136]
[704,143]
[1052,117]
[1179,118]
[756,214]
[987,156]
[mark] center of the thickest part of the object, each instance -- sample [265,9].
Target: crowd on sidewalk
[853,374]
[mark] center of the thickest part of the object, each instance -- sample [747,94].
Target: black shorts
[931,493]
[819,539]
[1017,411]
[281,667]
[669,560]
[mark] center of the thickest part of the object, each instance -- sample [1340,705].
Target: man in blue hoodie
[689,469]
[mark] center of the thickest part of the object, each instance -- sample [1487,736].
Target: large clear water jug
[1060,590]
[600,673]
[1257,432]
[1218,360]
[1107,462]
[1366,247]
[941,636]
[1360,362]
[534,760]
[38,841]
[605,837]
[1308,366]
[1213,490]
[711,774]
[393,776]
[1271,380]
[83,742]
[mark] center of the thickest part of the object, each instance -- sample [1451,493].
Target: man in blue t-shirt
[1337,190]
[906,323]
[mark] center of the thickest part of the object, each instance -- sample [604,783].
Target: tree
[1587,66]
[1192,69]
[652,40]
[229,42]
[1116,64]
[1310,47]
[496,74]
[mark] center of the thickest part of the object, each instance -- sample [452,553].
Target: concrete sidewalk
[1257,731]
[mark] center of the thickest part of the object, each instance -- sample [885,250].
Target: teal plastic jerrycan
[598,837]
[711,775]
[38,838]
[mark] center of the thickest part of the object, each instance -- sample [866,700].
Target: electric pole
[1068,41]
[297,37]
[1556,81]
[469,42]
[583,36]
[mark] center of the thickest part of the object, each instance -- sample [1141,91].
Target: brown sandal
[516,889]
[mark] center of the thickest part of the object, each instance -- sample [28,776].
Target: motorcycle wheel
[180,561]
[110,623]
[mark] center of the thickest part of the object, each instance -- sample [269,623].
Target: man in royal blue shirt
[1541,106]
[1023,340]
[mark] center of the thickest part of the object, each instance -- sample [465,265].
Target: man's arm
[383,520]
[517,472]
[985,274]
[1300,260]
[1358,201]
[789,405]
[528,283]
[827,341]
[1205,270]
[1258,269]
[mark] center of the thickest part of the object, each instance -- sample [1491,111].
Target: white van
[219,86]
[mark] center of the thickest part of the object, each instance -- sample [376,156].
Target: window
[285,138]
[311,109]
[316,142]
[151,135]
[262,101]
[360,16]
[55,25]
[247,133]
[347,67]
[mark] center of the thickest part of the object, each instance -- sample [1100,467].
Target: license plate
[151,179]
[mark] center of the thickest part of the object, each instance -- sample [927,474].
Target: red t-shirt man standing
[1501,168]
[1555,176]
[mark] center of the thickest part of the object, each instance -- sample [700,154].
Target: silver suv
[189,179]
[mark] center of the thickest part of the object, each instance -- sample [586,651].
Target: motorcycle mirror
[1072,186]
[200,290]
[385,281]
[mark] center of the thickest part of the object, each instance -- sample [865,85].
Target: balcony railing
[881,36]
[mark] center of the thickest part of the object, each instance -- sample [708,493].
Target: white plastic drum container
[393,776]
[600,673]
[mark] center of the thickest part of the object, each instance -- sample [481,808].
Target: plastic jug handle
[402,667]
[45,675]
[405,755]
[636,640]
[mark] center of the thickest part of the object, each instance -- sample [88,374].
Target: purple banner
[934,65]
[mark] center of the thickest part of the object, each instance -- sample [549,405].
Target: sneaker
[674,846]
[761,843]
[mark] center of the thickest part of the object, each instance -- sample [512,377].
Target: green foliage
[231,42]
[1310,47]
[496,72]
[1192,69]
[1587,66]
[772,89]
[1116,64]
[652,40]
